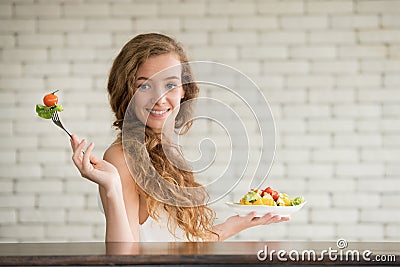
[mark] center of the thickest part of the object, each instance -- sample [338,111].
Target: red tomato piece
[50,100]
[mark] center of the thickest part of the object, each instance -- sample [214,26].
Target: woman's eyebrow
[143,78]
[167,78]
[172,78]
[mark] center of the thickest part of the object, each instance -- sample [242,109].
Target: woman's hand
[96,170]
[236,224]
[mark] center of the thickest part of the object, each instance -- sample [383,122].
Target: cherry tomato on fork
[50,100]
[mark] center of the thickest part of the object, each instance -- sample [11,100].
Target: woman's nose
[159,95]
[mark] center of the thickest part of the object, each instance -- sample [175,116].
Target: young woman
[136,206]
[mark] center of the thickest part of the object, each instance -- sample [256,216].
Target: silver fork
[56,119]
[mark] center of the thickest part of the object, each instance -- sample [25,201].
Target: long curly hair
[146,155]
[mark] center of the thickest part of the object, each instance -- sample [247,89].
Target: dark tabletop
[205,253]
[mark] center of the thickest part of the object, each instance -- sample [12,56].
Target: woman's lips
[157,112]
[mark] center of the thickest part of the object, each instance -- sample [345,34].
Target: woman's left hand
[236,224]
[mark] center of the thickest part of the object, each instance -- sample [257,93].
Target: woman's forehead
[161,66]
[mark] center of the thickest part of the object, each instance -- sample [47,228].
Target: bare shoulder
[115,155]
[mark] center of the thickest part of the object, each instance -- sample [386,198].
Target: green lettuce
[47,112]
[251,196]
[297,201]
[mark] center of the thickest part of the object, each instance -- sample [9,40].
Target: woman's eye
[144,86]
[171,86]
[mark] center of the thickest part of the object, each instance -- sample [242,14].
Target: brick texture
[329,70]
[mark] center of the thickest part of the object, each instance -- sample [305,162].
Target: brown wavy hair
[146,157]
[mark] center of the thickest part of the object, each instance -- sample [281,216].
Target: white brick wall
[330,70]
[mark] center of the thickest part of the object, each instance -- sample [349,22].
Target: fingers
[77,155]
[83,159]
[251,215]
[86,164]
[94,160]
[74,142]
[277,218]
[270,218]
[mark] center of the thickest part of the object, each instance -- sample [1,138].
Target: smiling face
[158,91]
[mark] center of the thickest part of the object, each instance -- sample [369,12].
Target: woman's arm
[235,224]
[117,223]
[130,196]
[110,181]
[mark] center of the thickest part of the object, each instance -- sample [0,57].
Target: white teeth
[158,112]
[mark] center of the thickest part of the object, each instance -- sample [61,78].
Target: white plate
[261,210]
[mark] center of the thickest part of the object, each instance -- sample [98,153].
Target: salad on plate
[269,197]
[266,201]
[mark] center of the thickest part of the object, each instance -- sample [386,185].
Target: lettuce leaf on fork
[47,112]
